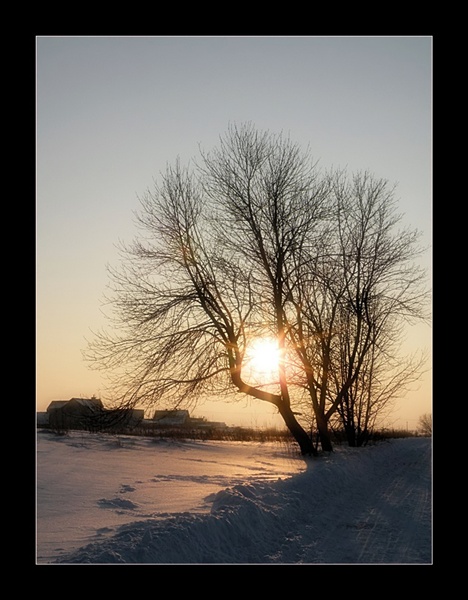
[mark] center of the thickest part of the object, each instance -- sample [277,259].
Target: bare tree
[425,424]
[271,200]
[384,288]
[382,380]
[254,241]
[350,297]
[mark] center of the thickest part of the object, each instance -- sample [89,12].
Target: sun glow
[262,360]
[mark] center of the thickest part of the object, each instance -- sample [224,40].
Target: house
[90,414]
[171,418]
[122,418]
[181,418]
[76,413]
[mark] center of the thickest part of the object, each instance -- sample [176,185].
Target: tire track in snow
[397,510]
[384,510]
[373,507]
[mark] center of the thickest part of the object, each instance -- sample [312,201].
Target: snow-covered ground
[121,499]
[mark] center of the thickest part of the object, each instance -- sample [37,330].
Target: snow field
[369,505]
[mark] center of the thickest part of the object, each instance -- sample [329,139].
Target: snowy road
[390,522]
[383,516]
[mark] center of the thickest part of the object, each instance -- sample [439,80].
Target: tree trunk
[362,437]
[305,442]
[324,434]
[350,435]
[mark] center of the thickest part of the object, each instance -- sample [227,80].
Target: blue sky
[113,111]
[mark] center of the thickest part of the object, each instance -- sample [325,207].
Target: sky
[112,112]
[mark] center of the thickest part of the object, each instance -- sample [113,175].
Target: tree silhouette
[255,241]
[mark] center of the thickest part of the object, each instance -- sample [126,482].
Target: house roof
[57,404]
[93,403]
[90,402]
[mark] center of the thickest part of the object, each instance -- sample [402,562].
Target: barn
[76,413]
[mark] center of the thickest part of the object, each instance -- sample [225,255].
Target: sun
[262,360]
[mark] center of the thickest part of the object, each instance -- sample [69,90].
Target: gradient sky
[113,111]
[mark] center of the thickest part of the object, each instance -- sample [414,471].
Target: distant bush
[241,434]
[425,424]
[233,434]
[339,436]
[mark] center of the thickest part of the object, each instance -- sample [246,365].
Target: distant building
[76,413]
[90,414]
[122,418]
[171,418]
[181,418]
